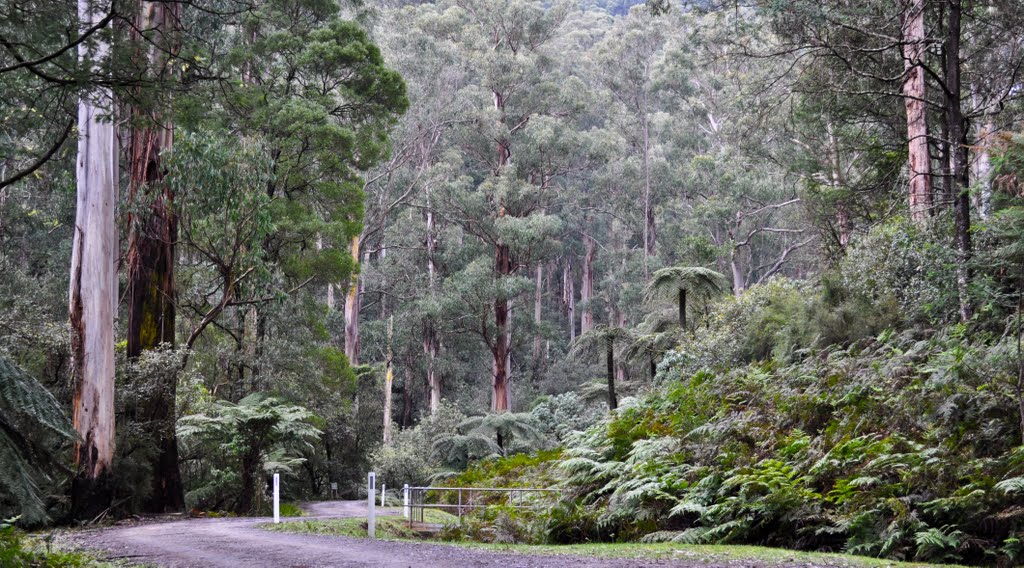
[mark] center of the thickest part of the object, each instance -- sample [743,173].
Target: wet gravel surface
[239,543]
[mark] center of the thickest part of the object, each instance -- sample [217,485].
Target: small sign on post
[277,498]
[371,492]
[334,490]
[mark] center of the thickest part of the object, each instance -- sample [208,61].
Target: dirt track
[239,543]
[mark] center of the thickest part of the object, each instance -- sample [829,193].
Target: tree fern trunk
[610,360]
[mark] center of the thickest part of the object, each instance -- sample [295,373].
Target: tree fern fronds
[694,535]
[1011,485]
[696,279]
[32,426]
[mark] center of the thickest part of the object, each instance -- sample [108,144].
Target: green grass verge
[396,528]
[697,553]
[388,527]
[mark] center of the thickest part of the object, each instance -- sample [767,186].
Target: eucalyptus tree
[407,184]
[93,289]
[152,233]
[508,48]
[315,95]
[627,62]
[935,58]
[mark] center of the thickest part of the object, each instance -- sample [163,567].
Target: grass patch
[388,527]
[397,528]
[698,553]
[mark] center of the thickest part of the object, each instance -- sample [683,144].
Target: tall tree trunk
[431,339]
[649,228]
[843,220]
[914,50]
[587,283]
[738,280]
[150,257]
[389,378]
[958,152]
[610,361]
[570,298]
[430,347]
[503,267]
[983,168]
[407,398]
[500,394]
[352,306]
[538,304]
[92,292]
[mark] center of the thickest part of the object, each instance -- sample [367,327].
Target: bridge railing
[467,499]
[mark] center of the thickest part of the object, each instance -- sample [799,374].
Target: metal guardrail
[468,498]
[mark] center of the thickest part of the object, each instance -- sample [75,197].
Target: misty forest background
[737,272]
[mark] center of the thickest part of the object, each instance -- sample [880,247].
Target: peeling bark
[93,288]
[352,306]
[151,257]
[914,50]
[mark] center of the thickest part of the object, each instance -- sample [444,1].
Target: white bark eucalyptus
[93,290]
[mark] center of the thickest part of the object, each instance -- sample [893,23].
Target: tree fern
[495,434]
[33,431]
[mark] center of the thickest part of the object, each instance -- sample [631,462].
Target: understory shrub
[902,446]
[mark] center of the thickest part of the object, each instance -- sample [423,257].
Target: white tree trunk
[389,377]
[352,305]
[587,284]
[93,291]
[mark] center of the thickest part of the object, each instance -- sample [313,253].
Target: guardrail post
[277,498]
[383,489]
[405,502]
[371,492]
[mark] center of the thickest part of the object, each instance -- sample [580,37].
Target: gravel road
[239,543]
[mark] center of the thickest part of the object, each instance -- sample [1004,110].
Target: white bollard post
[383,488]
[405,501]
[371,492]
[277,498]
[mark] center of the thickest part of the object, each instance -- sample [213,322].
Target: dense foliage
[718,272]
